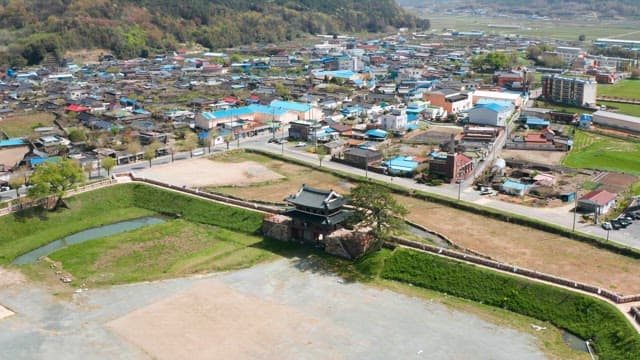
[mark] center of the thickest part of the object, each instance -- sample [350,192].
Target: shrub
[197,210]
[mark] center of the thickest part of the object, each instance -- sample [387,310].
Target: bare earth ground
[293,178]
[10,157]
[518,245]
[543,157]
[528,247]
[287,309]
[9,278]
[203,172]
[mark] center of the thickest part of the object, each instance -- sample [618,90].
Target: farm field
[560,30]
[22,125]
[626,89]
[511,243]
[593,151]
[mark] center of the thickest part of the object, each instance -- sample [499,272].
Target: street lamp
[608,234]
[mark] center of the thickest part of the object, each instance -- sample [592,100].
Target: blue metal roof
[401,163]
[344,74]
[376,133]
[586,117]
[492,106]
[246,110]
[290,105]
[12,142]
[537,121]
[40,160]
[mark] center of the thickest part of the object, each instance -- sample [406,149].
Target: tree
[321,152]
[378,209]
[151,152]
[582,37]
[190,143]
[77,135]
[55,178]
[228,139]
[108,163]
[635,74]
[282,91]
[16,182]
[88,166]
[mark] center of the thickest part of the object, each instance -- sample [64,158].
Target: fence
[616,298]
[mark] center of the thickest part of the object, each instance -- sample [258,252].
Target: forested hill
[133,28]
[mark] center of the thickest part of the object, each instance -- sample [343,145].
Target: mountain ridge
[130,28]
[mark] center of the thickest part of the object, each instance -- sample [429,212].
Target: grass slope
[593,151]
[622,108]
[33,228]
[589,318]
[170,249]
[626,89]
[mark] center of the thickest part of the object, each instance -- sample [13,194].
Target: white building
[617,121]
[491,114]
[514,98]
[395,120]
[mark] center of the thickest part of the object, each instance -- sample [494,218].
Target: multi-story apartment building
[577,91]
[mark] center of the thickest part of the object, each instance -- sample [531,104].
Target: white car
[607,225]
[301,144]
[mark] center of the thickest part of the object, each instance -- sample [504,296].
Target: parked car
[615,225]
[624,222]
[636,215]
[606,225]
[301,144]
[4,188]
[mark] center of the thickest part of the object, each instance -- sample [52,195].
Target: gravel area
[287,309]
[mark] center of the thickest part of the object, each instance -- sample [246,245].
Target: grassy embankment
[208,236]
[625,89]
[589,318]
[595,151]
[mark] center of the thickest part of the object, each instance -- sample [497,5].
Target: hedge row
[490,212]
[613,337]
[196,210]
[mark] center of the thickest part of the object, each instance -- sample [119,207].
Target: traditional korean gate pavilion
[317,213]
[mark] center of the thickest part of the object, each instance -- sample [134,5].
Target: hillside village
[410,105]
[233,187]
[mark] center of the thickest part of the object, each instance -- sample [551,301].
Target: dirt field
[515,244]
[10,157]
[293,176]
[288,309]
[529,248]
[616,182]
[269,312]
[553,158]
[210,173]
[434,135]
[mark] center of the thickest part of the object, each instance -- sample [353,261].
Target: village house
[598,202]
[451,100]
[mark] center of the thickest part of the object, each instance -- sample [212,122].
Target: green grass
[171,249]
[594,151]
[587,317]
[23,125]
[622,108]
[30,229]
[625,89]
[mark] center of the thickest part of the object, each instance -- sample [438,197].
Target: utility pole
[575,208]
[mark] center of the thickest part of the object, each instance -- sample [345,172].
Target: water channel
[86,235]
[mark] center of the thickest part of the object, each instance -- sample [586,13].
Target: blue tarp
[12,142]
[40,160]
